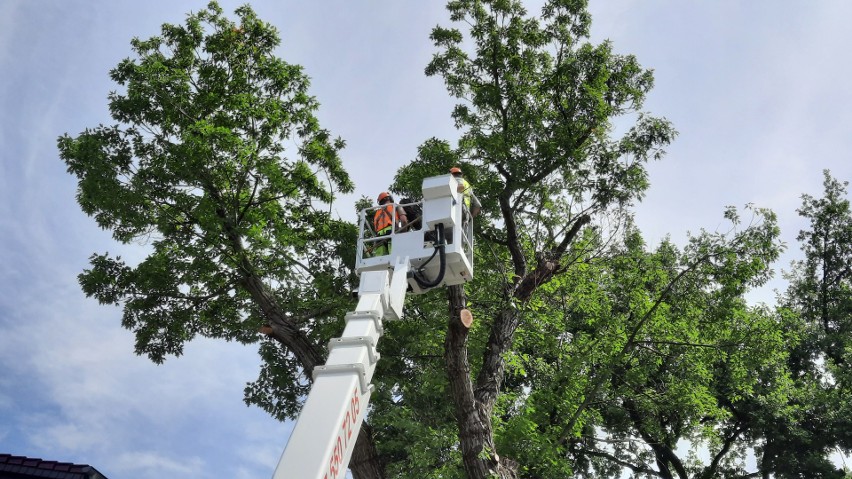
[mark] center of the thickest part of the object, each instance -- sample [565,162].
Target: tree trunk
[476,436]
[365,463]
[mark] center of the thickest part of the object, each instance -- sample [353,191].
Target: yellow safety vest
[466,192]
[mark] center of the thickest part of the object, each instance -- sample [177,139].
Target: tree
[572,332]
[689,356]
[819,303]
[821,288]
[242,245]
[537,118]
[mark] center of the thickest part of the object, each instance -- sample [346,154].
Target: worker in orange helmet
[383,221]
[471,202]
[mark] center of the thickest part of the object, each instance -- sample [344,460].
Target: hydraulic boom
[437,251]
[338,400]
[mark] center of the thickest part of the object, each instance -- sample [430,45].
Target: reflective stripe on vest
[383,218]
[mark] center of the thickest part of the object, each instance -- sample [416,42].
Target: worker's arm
[400,215]
[475,205]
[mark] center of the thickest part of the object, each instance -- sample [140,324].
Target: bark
[284,329]
[476,436]
[365,462]
[475,405]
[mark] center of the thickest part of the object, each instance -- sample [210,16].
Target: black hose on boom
[440,245]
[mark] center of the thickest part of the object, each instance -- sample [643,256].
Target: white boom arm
[328,426]
[325,434]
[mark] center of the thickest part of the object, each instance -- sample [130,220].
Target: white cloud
[73,437]
[99,397]
[264,446]
[147,464]
[101,387]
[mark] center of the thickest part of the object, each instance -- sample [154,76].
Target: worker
[383,222]
[471,202]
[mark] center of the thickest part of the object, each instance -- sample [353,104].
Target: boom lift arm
[338,400]
[324,437]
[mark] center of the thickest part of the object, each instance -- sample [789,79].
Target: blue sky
[758,89]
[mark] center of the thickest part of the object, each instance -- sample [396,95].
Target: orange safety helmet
[382,196]
[455,170]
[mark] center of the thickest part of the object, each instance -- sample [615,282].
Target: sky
[759,91]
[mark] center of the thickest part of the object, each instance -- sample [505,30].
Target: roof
[19,467]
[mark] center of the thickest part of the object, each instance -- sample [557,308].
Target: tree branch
[620,462]
[512,238]
[729,440]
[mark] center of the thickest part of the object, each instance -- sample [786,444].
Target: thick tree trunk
[476,435]
[365,463]
[474,405]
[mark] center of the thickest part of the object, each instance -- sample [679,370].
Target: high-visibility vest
[383,218]
[466,191]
